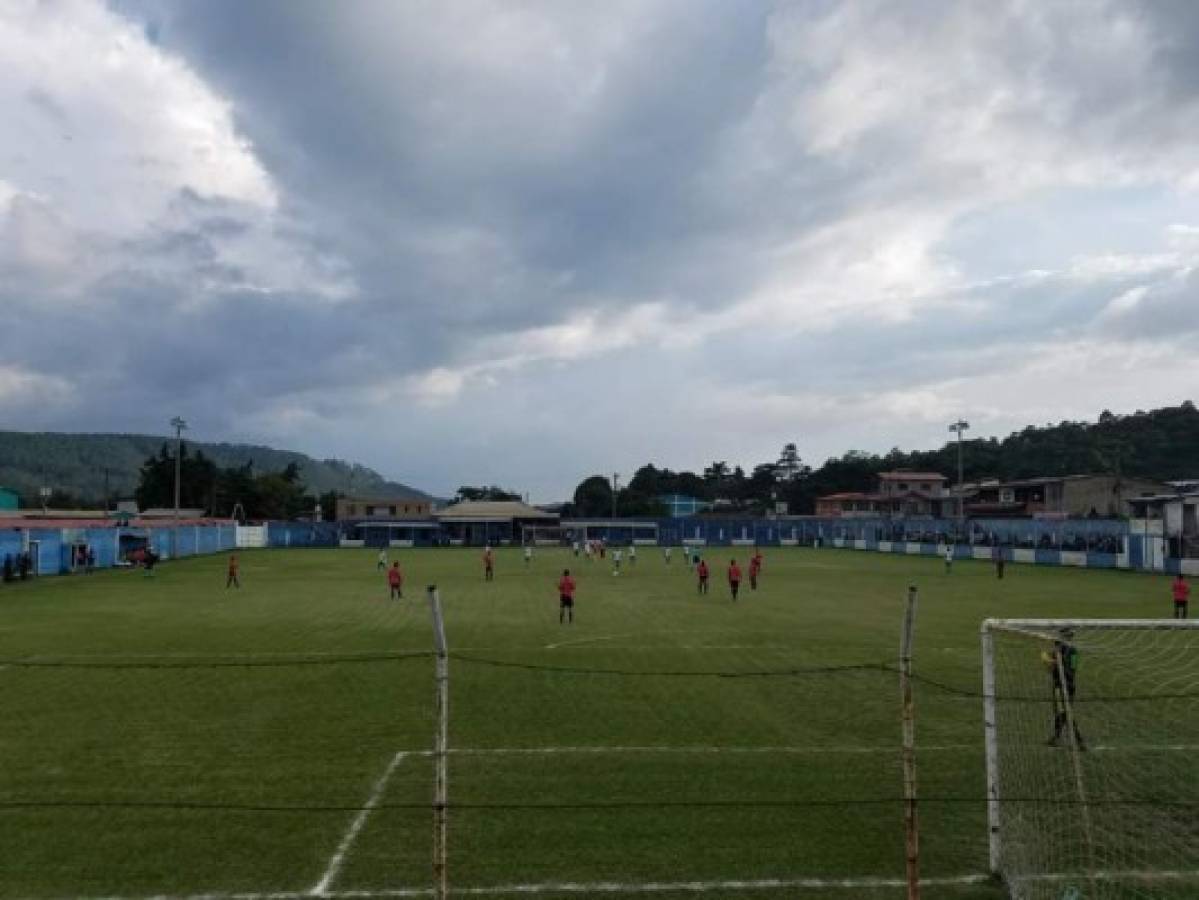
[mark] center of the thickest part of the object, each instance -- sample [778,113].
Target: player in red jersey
[755,569]
[395,578]
[566,598]
[734,577]
[232,580]
[701,570]
[1182,593]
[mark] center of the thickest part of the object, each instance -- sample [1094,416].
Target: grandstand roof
[904,475]
[491,510]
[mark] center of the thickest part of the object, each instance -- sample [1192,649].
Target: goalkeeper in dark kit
[1063,671]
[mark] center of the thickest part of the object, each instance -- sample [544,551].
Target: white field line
[574,642]
[659,887]
[578,887]
[703,887]
[347,840]
[799,751]
[1117,875]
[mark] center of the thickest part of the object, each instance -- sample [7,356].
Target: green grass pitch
[179,768]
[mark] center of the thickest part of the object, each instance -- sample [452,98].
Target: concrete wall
[1102,494]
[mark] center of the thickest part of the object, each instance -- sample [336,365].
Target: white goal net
[1092,731]
[544,536]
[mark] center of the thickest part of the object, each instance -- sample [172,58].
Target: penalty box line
[333,869]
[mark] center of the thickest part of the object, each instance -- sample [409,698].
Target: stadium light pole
[960,426]
[615,491]
[179,425]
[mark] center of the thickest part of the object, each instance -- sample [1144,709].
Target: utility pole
[615,490]
[960,426]
[179,425]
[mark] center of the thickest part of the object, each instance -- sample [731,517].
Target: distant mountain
[74,464]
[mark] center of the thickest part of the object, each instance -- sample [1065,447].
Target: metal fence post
[910,820]
[440,750]
[990,740]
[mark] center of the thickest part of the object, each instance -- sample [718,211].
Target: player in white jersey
[666,555]
[632,554]
[615,562]
[528,554]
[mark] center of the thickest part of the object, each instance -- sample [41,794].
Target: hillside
[1160,444]
[74,464]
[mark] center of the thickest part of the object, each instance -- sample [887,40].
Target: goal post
[1092,756]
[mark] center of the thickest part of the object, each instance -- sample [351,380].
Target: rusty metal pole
[911,825]
[440,751]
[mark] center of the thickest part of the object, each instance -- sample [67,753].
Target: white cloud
[106,127]
[22,388]
[111,145]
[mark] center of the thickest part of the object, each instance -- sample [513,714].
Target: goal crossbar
[1025,626]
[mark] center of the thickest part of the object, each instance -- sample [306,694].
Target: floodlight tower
[180,426]
[960,426]
[615,490]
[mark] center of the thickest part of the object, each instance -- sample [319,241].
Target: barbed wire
[791,671]
[334,659]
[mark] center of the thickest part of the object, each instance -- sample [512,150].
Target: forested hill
[1162,444]
[73,465]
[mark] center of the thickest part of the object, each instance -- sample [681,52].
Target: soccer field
[167,737]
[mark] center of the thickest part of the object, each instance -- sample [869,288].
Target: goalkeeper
[1063,671]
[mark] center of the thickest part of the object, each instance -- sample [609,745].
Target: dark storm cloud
[602,188]
[445,208]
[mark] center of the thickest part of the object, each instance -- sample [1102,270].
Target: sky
[525,242]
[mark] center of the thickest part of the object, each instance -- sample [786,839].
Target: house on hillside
[901,492]
[1065,496]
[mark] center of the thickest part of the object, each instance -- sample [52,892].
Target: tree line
[1159,444]
[221,491]
[93,471]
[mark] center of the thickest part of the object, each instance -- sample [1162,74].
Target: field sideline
[167,737]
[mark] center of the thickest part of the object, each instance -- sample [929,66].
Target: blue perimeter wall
[54,544]
[1094,543]
[1075,542]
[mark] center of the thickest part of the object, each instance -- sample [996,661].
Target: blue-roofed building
[680,505]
